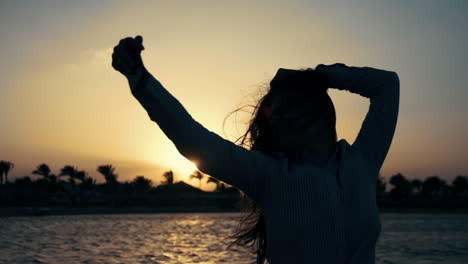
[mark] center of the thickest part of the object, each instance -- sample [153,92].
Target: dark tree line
[74,186]
[431,191]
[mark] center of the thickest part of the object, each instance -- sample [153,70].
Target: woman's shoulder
[346,151]
[350,159]
[343,146]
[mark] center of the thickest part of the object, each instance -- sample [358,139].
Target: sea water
[203,237]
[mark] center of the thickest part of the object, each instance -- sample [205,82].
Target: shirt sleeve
[212,154]
[383,89]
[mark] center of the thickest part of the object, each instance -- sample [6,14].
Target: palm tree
[431,186]
[87,183]
[81,175]
[401,187]
[197,175]
[5,167]
[108,172]
[44,171]
[460,184]
[141,184]
[70,171]
[72,189]
[169,176]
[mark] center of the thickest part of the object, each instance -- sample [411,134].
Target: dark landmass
[73,192]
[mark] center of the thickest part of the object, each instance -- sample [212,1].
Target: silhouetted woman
[313,198]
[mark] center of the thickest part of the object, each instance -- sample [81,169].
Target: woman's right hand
[127,60]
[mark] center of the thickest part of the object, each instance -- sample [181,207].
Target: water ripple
[203,237]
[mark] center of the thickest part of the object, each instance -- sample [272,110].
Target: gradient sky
[63,103]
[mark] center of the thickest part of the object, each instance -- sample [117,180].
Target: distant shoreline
[54,210]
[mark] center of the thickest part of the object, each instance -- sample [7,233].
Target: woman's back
[317,214]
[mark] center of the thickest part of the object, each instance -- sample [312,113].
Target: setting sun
[181,166]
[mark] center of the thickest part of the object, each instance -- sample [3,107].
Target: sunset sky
[63,103]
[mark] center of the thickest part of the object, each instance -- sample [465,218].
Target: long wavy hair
[260,137]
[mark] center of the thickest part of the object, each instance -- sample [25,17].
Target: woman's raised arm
[383,89]
[213,155]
